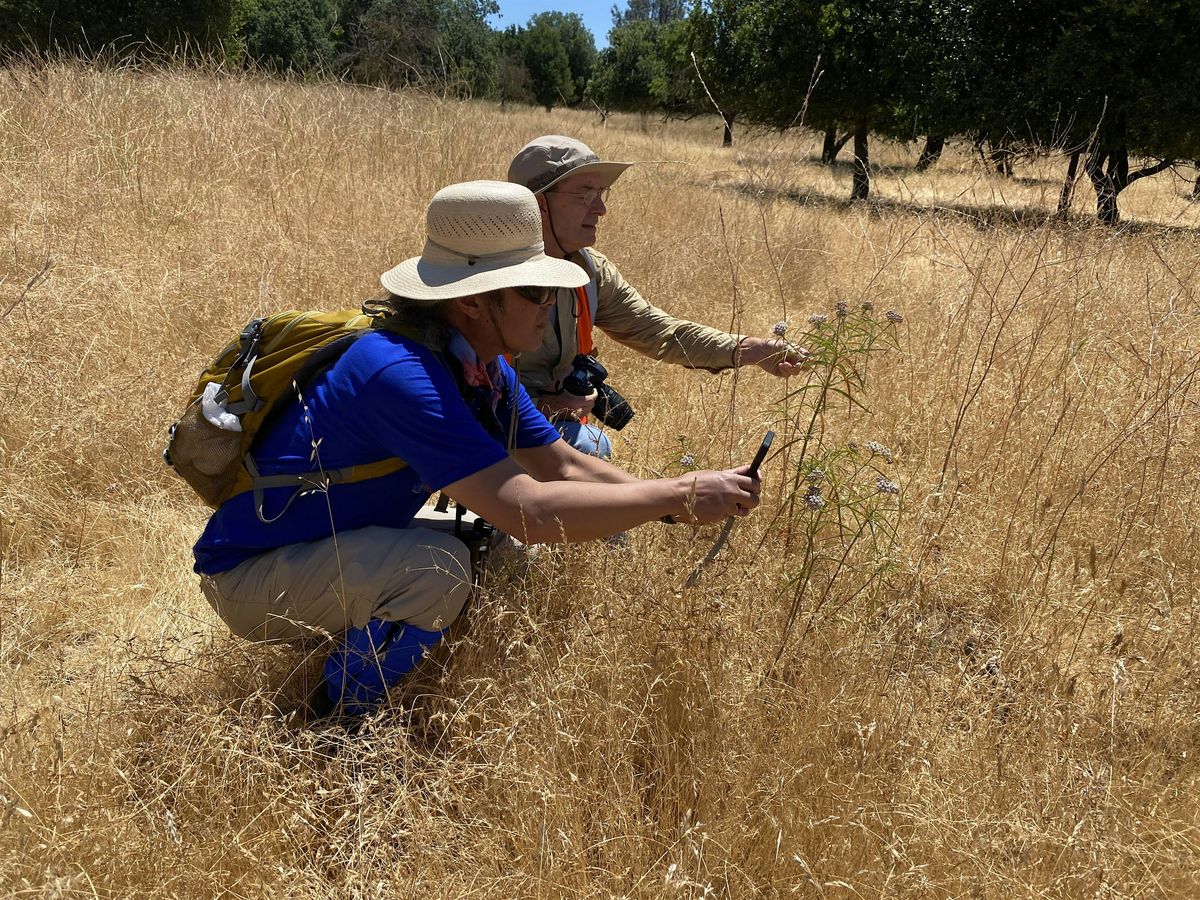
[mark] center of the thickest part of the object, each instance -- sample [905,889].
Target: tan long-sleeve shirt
[625,316]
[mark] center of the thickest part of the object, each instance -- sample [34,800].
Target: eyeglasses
[538,296]
[589,196]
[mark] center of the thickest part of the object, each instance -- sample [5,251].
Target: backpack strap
[303,482]
[248,343]
[312,481]
[588,298]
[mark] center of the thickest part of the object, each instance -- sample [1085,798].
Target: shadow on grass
[982,216]
[903,170]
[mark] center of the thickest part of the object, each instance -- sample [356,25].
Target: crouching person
[428,384]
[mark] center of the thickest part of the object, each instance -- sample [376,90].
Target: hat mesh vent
[522,225]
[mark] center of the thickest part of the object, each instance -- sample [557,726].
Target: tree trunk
[1118,169]
[980,140]
[1110,180]
[861,185]
[1068,188]
[1196,186]
[833,145]
[1106,192]
[932,151]
[827,151]
[839,144]
[728,119]
[1002,160]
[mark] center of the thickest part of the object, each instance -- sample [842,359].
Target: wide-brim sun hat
[546,160]
[481,236]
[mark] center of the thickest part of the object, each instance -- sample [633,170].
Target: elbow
[535,528]
[530,521]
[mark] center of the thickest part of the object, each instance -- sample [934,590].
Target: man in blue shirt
[436,391]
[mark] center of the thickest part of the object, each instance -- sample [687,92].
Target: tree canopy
[1105,82]
[1108,78]
[87,26]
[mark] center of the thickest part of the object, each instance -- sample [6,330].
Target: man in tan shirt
[571,185]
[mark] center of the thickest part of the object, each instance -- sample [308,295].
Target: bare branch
[1149,170]
[29,285]
[703,84]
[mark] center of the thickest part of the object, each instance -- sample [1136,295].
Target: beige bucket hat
[481,236]
[552,157]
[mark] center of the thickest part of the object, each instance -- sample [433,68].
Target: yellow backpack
[273,360]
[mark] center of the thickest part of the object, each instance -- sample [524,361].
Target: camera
[586,375]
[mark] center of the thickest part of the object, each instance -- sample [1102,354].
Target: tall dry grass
[1010,708]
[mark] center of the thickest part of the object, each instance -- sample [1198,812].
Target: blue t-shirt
[387,396]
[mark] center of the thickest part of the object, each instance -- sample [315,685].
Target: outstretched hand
[774,356]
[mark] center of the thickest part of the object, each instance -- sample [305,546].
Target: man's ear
[543,207]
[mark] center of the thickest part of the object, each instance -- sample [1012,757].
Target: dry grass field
[987,685]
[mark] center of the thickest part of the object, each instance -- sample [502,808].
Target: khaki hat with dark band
[548,159]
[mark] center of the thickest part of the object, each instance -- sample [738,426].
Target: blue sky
[597,17]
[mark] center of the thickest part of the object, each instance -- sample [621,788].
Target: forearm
[571,511]
[536,511]
[585,468]
[659,336]
[560,461]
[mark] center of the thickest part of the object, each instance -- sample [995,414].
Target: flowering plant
[841,506]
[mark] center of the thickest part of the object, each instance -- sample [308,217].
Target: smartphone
[762,453]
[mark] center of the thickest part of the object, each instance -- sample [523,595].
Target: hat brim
[422,280]
[608,172]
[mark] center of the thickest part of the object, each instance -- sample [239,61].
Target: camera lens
[611,408]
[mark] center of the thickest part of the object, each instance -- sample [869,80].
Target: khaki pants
[401,575]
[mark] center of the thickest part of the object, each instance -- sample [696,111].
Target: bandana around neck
[482,384]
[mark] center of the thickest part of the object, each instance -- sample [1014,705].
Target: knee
[447,582]
[587,438]
[602,446]
[242,615]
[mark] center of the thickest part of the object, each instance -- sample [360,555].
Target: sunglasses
[589,196]
[539,296]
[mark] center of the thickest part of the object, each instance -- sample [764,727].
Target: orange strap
[583,327]
[583,322]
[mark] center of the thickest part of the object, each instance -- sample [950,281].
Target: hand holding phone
[761,454]
[755,464]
